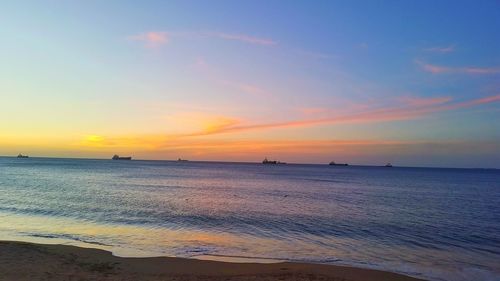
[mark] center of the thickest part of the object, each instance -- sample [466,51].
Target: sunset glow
[231,81]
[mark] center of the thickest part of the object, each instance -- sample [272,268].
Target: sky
[414,83]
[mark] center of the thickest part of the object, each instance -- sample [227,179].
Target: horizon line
[250,162]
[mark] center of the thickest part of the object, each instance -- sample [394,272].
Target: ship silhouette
[266,161]
[117,157]
[338,164]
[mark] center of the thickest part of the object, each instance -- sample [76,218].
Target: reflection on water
[442,224]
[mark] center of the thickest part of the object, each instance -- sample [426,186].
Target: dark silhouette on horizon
[116,157]
[266,161]
[337,164]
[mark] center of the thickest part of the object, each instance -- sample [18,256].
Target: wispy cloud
[480,70]
[245,88]
[154,39]
[438,69]
[216,77]
[312,110]
[243,38]
[418,101]
[434,69]
[122,142]
[413,110]
[442,50]
[203,138]
[316,55]
[156,142]
[151,39]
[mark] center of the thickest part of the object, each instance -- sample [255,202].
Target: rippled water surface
[440,224]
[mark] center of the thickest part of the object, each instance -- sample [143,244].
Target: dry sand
[26,261]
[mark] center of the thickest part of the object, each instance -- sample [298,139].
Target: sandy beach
[26,261]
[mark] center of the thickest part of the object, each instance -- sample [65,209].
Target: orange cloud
[217,124]
[437,69]
[204,125]
[412,111]
[157,142]
[183,124]
[122,142]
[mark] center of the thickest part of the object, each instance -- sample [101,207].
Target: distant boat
[22,156]
[388,165]
[338,164]
[182,160]
[116,157]
[266,161]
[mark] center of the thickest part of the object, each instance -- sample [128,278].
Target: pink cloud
[443,50]
[434,69]
[316,55]
[243,38]
[152,39]
[419,109]
[484,100]
[214,76]
[479,70]
[312,110]
[155,39]
[244,87]
[418,102]
[437,69]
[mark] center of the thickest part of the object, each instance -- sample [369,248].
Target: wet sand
[26,261]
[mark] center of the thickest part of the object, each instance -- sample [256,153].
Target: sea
[432,223]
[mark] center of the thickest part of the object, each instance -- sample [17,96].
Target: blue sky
[358,81]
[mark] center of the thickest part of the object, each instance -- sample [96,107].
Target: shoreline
[29,261]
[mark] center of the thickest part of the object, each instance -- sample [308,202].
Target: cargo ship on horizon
[117,157]
[266,161]
[337,164]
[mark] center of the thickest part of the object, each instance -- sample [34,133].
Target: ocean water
[438,224]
